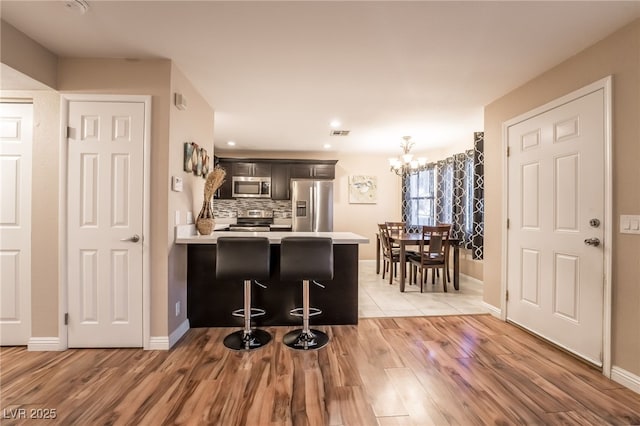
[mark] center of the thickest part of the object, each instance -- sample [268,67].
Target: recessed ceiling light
[335,124]
[231,143]
[326,146]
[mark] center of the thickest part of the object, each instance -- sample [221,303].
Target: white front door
[105,223]
[555,279]
[16,138]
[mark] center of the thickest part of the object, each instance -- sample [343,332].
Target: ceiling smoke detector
[339,132]
[80,6]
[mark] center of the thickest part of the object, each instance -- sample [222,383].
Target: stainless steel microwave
[251,187]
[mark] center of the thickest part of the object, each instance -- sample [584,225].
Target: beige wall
[195,123]
[617,55]
[45,196]
[27,56]
[138,77]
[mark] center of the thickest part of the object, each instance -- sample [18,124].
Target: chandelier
[406,165]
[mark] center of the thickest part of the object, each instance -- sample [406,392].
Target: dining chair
[447,257]
[433,254]
[395,228]
[390,254]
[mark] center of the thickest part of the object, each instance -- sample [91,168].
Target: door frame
[604,84]
[63,302]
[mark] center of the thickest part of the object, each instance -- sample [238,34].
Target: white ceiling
[277,73]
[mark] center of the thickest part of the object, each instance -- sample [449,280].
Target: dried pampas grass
[215,178]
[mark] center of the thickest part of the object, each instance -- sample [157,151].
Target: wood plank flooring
[459,370]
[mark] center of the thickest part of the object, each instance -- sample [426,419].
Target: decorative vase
[205,221]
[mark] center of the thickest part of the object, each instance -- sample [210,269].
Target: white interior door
[556,202]
[16,139]
[105,224]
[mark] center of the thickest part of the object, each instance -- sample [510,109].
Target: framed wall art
[363,189]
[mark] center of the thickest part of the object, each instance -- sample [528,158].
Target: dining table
[404,239]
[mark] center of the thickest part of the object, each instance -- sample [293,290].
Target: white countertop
[186,234]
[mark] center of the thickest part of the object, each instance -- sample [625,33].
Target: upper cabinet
[280,177]
[313,171]
[281,172]
[225,191]
[253,168]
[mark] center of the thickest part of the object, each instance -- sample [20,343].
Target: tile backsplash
[228,208]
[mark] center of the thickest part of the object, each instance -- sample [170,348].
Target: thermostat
[176,183]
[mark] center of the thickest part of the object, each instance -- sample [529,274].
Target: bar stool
[306,259]
[248,259]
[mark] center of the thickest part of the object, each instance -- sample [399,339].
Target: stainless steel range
[253,221]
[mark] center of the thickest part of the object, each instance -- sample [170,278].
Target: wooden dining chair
[447,256]
[433,254]
[390,254]
[395,228]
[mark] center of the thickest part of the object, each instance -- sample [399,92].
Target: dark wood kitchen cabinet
[280,181]
[257,169]
[225,191]
[281,172]
[313,171]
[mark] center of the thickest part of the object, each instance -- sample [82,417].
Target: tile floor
[379,299]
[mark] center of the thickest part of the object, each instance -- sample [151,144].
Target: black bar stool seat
[306,259]
[247,259]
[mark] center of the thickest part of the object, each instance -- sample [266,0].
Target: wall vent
[339,132]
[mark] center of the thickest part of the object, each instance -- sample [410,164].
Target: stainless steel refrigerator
[312,205]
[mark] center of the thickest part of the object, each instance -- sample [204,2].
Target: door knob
[133,239]
[592,242]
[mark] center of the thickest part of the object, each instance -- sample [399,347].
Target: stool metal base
[309,340]
[241,341]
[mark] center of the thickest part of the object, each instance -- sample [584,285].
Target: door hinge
[66,318]
[68,132]
[507,295]
[508,151]
[507,223]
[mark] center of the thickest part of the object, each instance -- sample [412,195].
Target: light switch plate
[629,224]
[189,218]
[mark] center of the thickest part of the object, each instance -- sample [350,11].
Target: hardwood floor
[460,370]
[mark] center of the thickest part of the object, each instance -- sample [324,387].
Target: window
[419,197]
[450,191]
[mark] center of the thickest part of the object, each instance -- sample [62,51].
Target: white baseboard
[496,312]
[158,343]
[39,344]
[625,378]
[178,333]
[164,343]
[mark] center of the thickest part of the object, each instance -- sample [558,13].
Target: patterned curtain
[477,240]
[452,195]
[444,191]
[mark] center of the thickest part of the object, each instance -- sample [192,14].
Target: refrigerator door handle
[314,202]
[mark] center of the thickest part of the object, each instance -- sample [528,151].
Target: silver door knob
[133,239]
[592,242]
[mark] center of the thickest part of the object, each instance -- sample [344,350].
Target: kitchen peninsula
[210,301]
